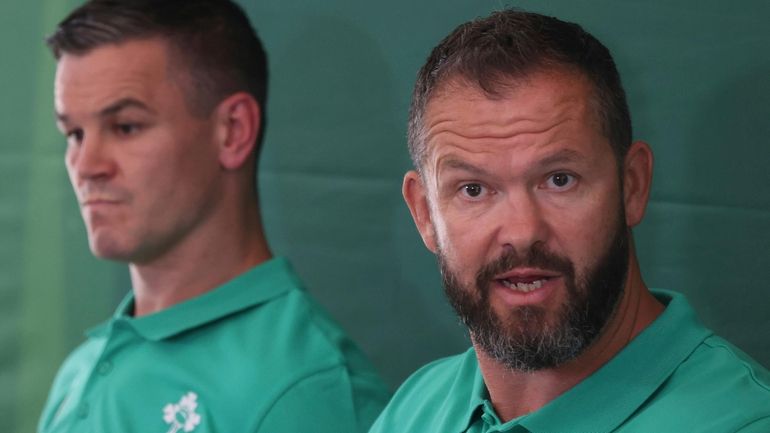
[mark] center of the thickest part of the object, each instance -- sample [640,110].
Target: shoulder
[75,368]
[325,401]
[725,355]
[78,361]
[439,389]
[299,337]
[316,369]
[302,333]
[717,387]
[723,368]
[718,366]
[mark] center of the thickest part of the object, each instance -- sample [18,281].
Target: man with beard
[162,104]
[526,187]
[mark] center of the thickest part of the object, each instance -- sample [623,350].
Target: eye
[74,136]
[560,181]
[473,190]
[126,128]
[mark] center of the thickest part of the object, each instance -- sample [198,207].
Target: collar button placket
[104,367]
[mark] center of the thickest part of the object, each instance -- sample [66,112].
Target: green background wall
[698,80]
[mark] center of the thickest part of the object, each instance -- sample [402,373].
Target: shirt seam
[293,385]
[316,323]
[748,367]
[750,423]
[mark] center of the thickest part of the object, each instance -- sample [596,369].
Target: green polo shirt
[253,355]
[674,377]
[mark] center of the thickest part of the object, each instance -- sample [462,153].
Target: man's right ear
[416,197]
[238,123]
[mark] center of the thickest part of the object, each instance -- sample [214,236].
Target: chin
[109,249]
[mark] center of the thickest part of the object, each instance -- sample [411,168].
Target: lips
[95,196]
[94,193]
[525,280]
[98,201]
[523,287]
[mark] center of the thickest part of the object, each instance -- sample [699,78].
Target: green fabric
[676,376]
[334,155]
[254,355]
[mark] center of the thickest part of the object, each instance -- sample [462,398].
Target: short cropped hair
[492,53]
[212,41]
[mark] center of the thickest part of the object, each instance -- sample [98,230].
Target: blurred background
[698,82]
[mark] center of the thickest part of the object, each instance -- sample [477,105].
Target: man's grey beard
[526,341]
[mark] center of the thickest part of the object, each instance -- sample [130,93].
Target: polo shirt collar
[479,403]
[604,400]
[457,409]
[256,286]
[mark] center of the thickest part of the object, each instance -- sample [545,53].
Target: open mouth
[521,286]
[524,283]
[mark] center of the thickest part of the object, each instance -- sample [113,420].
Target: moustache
[537,256]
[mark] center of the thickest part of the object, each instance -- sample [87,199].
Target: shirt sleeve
[322,403]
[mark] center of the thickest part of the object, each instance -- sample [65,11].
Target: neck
[214,254]
[516,393]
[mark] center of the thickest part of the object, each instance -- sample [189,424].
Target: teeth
[524,287]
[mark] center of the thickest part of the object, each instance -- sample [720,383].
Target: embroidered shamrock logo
[182,416]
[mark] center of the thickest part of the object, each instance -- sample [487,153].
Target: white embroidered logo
[182,416]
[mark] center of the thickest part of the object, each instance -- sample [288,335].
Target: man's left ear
[238,123]
[637,181]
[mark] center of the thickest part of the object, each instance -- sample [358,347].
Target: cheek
[463,244]
[69,161]
[587,232]
[445,227]
[173,162]
[192,182]
[71,176]
[197,158]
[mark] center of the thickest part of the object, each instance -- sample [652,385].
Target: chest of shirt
[200,383]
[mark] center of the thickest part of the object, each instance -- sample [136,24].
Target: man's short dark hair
[492,53]
[212,41]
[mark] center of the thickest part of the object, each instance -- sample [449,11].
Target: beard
[525,340]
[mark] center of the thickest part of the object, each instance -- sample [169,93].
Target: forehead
[136,69]
[542,107]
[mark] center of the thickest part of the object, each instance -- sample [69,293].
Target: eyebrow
[113,108]
[456,164]
[561,157]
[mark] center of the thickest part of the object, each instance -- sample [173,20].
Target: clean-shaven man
[162,104]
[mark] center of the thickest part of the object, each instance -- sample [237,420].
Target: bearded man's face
[520,197]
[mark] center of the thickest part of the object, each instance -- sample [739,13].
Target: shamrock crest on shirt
[182,415]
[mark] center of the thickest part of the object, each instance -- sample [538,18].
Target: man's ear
[415,195]
[238,123]
[637,181]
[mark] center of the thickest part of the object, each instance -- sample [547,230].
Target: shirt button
[83,410]
[104,367]
[488,419]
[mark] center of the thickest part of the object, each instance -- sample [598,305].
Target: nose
[521,222]
[90,159]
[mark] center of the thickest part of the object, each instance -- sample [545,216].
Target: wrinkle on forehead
[99,77]
[504,128]
[535,106]
[551,114]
